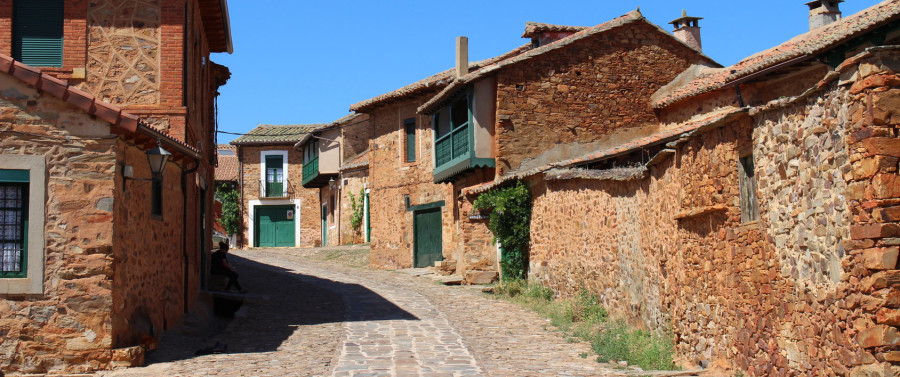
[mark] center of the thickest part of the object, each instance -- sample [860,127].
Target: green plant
[228,195]
[617,341]
[356,209]
[510,222]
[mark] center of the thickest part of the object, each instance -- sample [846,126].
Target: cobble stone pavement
[311,318]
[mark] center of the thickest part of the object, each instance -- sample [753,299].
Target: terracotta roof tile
[277,134]
[813,42]
[360,161]
[85,101]
[669,132]
[532,29]
[227,168]
[458,85]
[436,81]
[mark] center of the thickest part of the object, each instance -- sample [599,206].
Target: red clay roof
[459,84]
[532,29]
[813,42]
[432,82]
[227,168]
[126,122]
[668,133]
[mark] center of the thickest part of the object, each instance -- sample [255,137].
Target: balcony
[454,153]
[274,190]
[310,170]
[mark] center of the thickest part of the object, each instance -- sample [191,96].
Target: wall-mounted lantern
[156,158]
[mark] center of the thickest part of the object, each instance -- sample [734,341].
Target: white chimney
[462,56]
[687,30]
[823,12]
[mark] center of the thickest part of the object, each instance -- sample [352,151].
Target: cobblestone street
[305,317]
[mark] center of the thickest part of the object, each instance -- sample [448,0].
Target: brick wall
[73,316]
[589,94]
[391,178]
[310,225]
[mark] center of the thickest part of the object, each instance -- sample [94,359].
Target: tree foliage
[510,222]
[228,195]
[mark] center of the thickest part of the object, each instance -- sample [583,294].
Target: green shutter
[38,32]
[14,175]
[410,126]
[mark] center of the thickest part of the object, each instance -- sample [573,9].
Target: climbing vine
[228,195]
[510,222]
[356,208]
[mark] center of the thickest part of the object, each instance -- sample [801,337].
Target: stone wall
[310,212]
[72,318]
[806,288]
[353,182]
[586,95]
[148,290]
[391,178]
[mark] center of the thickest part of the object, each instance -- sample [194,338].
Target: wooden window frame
[409,132]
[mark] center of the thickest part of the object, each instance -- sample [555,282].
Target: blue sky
[298,62]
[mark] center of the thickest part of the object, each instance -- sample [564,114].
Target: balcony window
[310,161]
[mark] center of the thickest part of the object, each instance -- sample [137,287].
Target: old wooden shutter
[38,32]
[274,176]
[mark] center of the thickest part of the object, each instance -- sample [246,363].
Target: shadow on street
[279,303]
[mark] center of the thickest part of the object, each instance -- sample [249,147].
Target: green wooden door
[325,224]
[428,244]
[368,220]
[274,177]
[275,226]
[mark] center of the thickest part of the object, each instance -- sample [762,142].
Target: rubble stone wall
[809,287]
[591,93]
[352,183]
[73,315]
[391,178]
[148,266]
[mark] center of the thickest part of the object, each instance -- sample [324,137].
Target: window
[13,223]
[38,32]
[749,204]
[156,195]
[22,188]
[409,125]
[274,176]
[453,131]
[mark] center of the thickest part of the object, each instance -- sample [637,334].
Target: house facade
[277,210]
[102,251]
[751,218]
[335,161]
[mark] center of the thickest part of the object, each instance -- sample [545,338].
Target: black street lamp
[157,158]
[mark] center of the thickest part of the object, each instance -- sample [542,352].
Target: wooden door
[427,244]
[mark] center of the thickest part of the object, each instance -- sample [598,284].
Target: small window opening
[749,202]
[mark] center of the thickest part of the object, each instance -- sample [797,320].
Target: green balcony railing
[310,170]
[451,146]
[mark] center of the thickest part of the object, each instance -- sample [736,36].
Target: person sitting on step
[220,266]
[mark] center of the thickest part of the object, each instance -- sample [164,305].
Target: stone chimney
[823,12]
[462,56]
[687,30]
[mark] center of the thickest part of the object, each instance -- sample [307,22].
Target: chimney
[687,30]
[462,56]
[823,12]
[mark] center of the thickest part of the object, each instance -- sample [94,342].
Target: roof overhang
[217,24]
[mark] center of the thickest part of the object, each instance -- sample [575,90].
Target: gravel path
[312,318]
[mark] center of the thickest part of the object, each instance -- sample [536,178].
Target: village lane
[312,318]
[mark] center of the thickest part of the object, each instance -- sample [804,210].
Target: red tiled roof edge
[628,18]
[85,101]
[685,128]
[532,28]
[813,42]
[432,82]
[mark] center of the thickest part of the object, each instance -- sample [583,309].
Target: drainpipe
[240,153]
[184,253]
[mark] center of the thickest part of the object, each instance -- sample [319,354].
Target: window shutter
[38,32]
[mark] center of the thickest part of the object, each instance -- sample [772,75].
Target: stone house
[573,89]
[100,253]
[335,161]
[277,210]
[755,224]
[401,187]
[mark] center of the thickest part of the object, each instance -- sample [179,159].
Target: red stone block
[882,230]
[878,336]
[882,146]
[880,258]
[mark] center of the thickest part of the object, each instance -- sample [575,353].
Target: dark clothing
[218,267]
